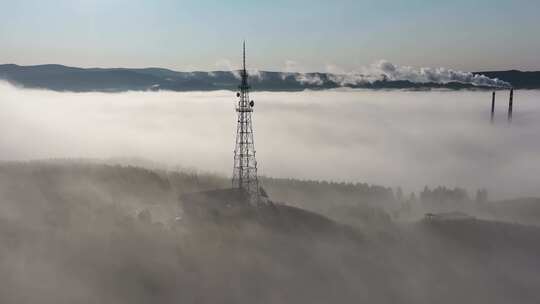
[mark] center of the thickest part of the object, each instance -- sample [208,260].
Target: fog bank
[392,138]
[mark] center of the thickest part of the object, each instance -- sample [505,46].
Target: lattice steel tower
[245,164]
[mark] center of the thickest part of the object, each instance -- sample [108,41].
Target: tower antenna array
[245,164]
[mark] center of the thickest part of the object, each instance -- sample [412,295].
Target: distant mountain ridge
[63,78]
[519,79]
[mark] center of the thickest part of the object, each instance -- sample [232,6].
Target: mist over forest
[376,197]
[86,232]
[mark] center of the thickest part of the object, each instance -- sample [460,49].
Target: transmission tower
[245,164]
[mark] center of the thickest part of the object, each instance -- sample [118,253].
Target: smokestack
[492,106]
[510,105]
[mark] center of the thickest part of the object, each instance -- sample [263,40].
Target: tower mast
[245,164]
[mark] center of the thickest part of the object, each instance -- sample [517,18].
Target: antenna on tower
[245,164]
[244,71]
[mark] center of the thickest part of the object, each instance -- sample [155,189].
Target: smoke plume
[385,70]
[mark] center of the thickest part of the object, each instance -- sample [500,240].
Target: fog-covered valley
[91,208]
[80,232]
[392,138]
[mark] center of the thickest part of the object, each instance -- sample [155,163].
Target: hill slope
[87,233]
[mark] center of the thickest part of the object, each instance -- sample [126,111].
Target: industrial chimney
[510,105]
[493,107]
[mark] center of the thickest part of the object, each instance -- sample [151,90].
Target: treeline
[63,183]
[442,195]
[322,195]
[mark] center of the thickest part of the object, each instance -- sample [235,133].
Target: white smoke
[291,70]
[226,65]
[255,74]
[385,70]
[309,79]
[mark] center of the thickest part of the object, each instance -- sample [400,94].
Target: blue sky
[207,35]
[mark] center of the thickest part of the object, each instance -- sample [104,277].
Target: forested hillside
[77,232]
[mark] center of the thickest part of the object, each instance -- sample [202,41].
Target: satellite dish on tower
[237,94]
[252,103]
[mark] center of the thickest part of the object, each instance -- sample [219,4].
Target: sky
[315,35]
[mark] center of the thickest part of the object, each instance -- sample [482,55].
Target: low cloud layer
[393,138]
